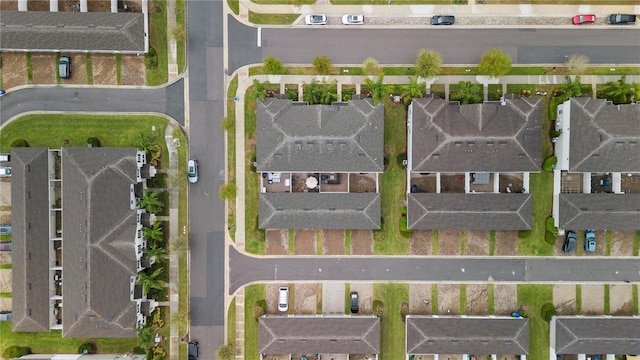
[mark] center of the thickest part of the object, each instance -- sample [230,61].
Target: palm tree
[150,201]
[261,89]
[319,93]
[145,336]
[155,232]
[158,253]
[414,91]
[180,321]
[619,92]
[467,93]
[378,89]
[152,281]
[571,88]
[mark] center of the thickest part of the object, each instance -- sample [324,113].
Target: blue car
[589,241]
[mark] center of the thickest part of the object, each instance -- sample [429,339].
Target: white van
[283,299]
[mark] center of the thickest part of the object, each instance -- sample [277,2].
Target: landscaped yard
[252,294]
[392,328]
[530,301]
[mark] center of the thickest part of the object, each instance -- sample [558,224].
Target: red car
[584,19]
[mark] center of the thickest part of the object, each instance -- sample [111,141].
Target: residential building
[334,334]
[469,165]
[77,240]
[319,165]
[477,336]
[597,177]
[594,336]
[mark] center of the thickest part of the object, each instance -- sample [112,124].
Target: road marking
[259,37]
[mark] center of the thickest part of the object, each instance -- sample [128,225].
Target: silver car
[316,19]
[192,171]
[351,19]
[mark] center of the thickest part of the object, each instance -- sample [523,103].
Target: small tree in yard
[261,89]
[428,63]
[577,64]
[619,92]
[322,64]
[494,63]
[226,352]
[378,89]
[416,90]
[467,93]
[272,65]
[228,191]
[371,67]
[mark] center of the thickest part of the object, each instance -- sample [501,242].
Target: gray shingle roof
[99,232]
[312,334]
[604,137]
[319,211]
[346,137]
[30,237]
[470,211]
[72,31]
[597,335]
[600,211]
[467,335]
[482,137]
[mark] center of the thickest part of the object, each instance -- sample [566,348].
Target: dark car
[589,241]
[443,20]
[354,302]
[570,242]
[621,19]
[193,350]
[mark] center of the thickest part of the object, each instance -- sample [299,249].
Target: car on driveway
[315,19]
[283,299]
[621,19]
[443,20]
[584,19]
[355,307]
[589,241]
[351,19]
[64,67]
[192,171]
[193,350]
[570,242]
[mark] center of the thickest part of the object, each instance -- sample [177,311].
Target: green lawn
[231,152]
[53,342]
[234,5]
[57,130]
[6,266]
[530,301]
[158,41]
[231,323]
[392,327]
[392,182]
[252,294]
[272,19]
[181,44]
[254,237]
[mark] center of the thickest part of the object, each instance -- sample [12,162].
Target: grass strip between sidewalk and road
[252,294]
[272,19]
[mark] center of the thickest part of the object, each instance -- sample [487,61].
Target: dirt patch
[361,242]
[421,242]
[5,257]
[276,242]
[99,5]
[8,5]
[305,298]
[333,242]
[506,243]
[449,242]
[14,69]
[448,299]
[452,183]
[478,242]
[5,280]
[133,70]
[68,6]
[104,69]
[305,242]
[5,217]
[79,69]
[621,299]
[564,299]
[5,193]
[420,299]
[38,5]
[477,299]
[622,243]
[43,68]
[592,299]
[365,297]
[504,299]
[361,183]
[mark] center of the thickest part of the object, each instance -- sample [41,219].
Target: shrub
[371,67]
[404,310]
[378,308]
[293,95]
[272,65]
[19,143]
[550,225]
[549,163]
[322,64]
[523,234]
[550,238]
[226,352]
[404,229]
[151,59]
[259,308]
[228,191]
[139,350]
[401,158]
[547,311]
[87,348]
[555,133]
[94,141]
[15,351]
[158,321]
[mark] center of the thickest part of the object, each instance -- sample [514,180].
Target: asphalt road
[246,269]
[206,143]
[299,45]
[167,100]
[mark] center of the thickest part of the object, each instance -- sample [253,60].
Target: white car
[283,299]
[316,19]
[192,171]
[351,19]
